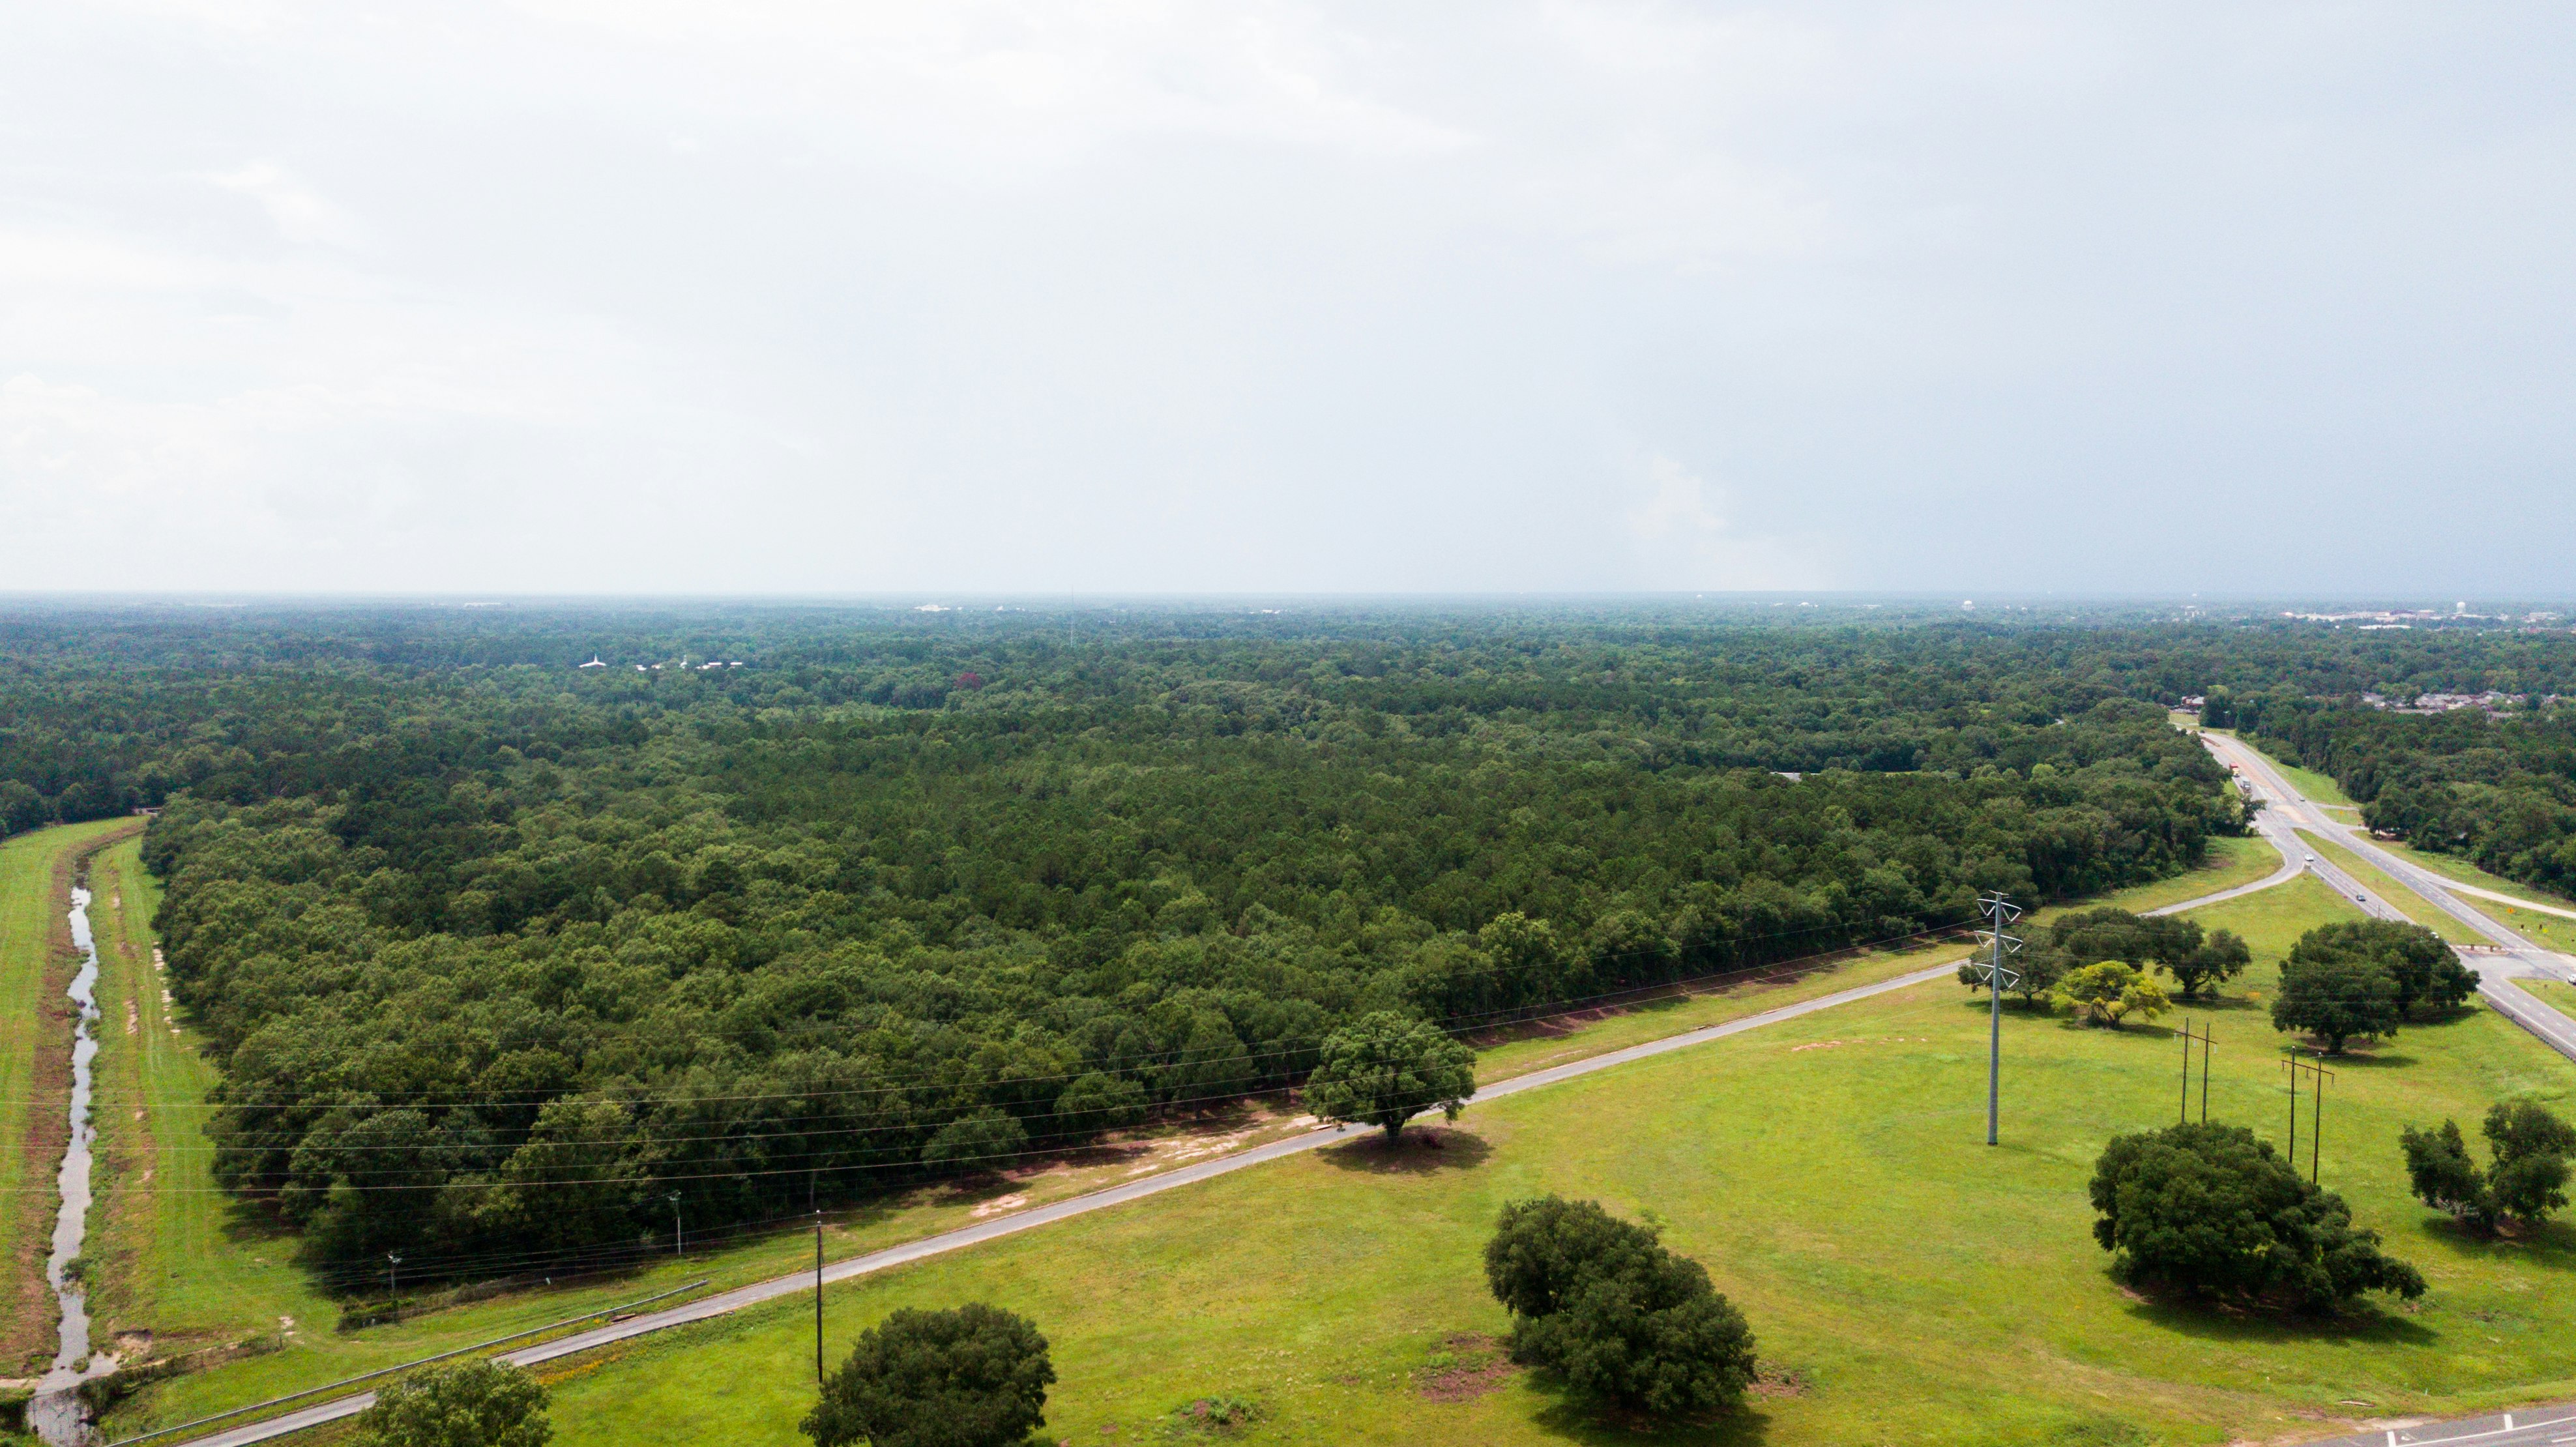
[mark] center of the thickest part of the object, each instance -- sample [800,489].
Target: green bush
[986,1140]
[973,1377]
[470,1403]
[2209,1210]
[2527,1182]
[1621,1319]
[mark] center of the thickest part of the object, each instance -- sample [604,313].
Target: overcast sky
[638,295]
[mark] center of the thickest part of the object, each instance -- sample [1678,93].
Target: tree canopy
[472,1403]
[2210,1210]
[496,952]
[972,1377]
[2527,1181]
[1612,1312]
[2365,978]
[1384,1069]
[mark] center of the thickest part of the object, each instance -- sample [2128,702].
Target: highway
[2505,957]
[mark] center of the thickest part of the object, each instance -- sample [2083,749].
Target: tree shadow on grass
[2380,1057]
[1577,1421]
[2361,1321]
[2211,1004]
[1423,1151]
[2550,1245]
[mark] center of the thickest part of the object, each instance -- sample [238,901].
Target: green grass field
[2415,906]
[1829,1172]
[31,1112]
[190,1264]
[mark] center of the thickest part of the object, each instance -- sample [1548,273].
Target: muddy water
[56,1412]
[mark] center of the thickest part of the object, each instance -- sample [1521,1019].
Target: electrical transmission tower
[1995,907]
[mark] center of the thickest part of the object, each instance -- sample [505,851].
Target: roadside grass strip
[2415,906]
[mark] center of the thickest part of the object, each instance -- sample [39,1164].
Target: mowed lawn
[1831,1173]
[31,909]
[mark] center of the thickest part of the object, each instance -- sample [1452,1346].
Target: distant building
[594,662]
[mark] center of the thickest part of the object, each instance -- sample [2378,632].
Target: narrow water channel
[56,1412]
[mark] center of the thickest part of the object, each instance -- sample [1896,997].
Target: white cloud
[300,214]
[1128,294]
[1686,537]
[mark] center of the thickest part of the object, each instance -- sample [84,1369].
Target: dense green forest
[2499,789]
[497,951]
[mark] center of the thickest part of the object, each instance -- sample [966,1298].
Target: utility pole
[393,1287]
[2293,1063]
[2187,1039]
[818,1298]
[1994,906]
[678,1248]
[2185,1117]
[2204,1072]
[2316,1115]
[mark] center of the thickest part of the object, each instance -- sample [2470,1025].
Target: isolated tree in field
[1384,1069]
[2421,969]
[2052,953]
[1607,1307]
[2527,1182]
[2336,998]
[973,1377]
[2443,1176]
[2210,1210]
[985,1140]
[472,1403]
[2212,962]
[2110,992]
